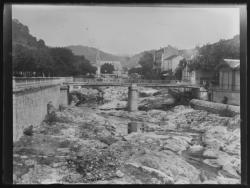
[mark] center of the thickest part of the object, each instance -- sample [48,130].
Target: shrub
[50,118]
[226,113]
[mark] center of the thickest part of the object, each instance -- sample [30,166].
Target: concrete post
[64,95]
[132,98]
[68,95]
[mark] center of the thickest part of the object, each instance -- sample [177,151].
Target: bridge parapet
[19,83]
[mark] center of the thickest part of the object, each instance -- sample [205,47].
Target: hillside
[90,54]
[22,36]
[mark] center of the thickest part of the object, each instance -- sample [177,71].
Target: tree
[211,54]
[83,66]
[135,70]
[63,61]
[146,62]
[107,68]
[23,59]
[178,70]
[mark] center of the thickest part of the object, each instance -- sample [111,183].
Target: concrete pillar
[132,98]
[64,95]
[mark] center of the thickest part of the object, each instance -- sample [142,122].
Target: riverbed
[89,143]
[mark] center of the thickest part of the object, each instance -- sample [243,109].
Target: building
[196,77]
[158,60]
[171,63]
[228,89]
[101,61]
[165,59]
[229,74]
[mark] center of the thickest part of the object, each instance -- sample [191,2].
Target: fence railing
[226,87]
[122,80]
[28,82]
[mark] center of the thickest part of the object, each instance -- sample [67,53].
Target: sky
[127,30]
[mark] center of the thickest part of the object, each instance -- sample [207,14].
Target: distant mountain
[90,53]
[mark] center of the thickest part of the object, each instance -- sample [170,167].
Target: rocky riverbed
[89,143]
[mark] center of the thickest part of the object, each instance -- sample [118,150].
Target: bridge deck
[128,84]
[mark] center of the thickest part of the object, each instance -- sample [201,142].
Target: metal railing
[30,82]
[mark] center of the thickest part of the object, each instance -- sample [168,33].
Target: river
[89,143]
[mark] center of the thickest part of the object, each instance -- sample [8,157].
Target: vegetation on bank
[146,69]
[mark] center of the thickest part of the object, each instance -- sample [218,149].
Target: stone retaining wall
[233,97]
[30,106]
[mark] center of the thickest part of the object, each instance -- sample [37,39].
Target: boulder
[113,105]
[224,180]
[210,153]
[214,107]
[147,92]
[28,131]
[156,102]
[195,148]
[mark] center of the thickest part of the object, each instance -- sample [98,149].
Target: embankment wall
[30,106]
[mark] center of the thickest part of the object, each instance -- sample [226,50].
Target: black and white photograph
[126,94]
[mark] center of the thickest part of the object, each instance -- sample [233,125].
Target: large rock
[147,92]
[156,102]
[115,104]
[154,173]
[214,107]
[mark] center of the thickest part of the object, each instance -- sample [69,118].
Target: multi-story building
[171,63]
[166,58]
[158,60]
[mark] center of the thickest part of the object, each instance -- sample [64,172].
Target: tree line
[46,61]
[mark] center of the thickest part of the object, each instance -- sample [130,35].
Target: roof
[229,63]
[170,52]
[232,63]
[171,57]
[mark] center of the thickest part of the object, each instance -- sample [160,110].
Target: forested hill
[31,57]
